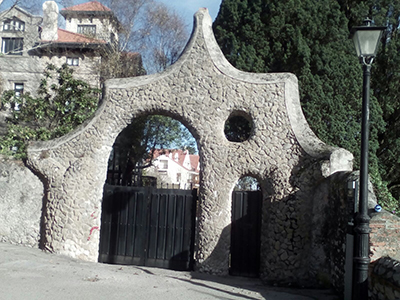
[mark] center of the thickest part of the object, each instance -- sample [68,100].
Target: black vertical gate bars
[166,236]
[245,233]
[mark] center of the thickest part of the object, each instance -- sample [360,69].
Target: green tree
[237,129]
[247,183]
[386,87]
[310,39]
[62,103]
[152,29]
[307,38]
[136,144]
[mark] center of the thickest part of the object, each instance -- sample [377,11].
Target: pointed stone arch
[201,90]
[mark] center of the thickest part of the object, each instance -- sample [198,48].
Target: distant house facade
[30,42]
[175,169]
[92,19]
[19,31]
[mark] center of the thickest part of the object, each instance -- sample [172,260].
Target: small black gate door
[148,227]
[245,233]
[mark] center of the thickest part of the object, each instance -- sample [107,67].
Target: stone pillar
[50,21]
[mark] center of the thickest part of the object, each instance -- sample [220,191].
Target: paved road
[30,274]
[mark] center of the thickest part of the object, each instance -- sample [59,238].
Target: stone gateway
[202,91]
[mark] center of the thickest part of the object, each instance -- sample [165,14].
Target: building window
[87,29]
[13,25]
[19,90]
[12,46]
[178,177]
[73,61]
[164,164]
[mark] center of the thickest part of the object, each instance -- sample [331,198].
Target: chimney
[50,21]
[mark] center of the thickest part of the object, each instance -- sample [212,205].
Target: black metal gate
[148,227]
[245,233]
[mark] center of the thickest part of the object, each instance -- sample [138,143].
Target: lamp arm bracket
[367,60]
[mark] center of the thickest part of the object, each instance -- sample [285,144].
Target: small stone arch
[201,90]
[246,226]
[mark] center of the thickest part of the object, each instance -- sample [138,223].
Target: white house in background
[175,169]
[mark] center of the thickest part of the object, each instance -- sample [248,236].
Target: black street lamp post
[366,40]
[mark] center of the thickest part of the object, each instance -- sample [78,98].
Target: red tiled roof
[65,36]
[194,159]
[89,6]
[194,162]
[129,55]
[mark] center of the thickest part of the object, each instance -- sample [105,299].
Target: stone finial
[50,21]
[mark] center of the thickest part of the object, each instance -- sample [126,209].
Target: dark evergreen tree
[385,83]
[310,39]
[386,87]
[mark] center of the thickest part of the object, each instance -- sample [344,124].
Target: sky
[186,8]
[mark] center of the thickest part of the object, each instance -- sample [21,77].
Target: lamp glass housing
[366,42]
[366,39]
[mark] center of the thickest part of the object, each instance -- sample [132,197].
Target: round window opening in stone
[238,128]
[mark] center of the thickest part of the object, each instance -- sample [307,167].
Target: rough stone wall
[384,275]
[29,70]
[385,235]
[332,211]
[88,69]
[201,90]
[21,194]
[384,279]
[25,69]
[333,214]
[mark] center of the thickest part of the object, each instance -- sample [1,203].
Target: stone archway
[201,90]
